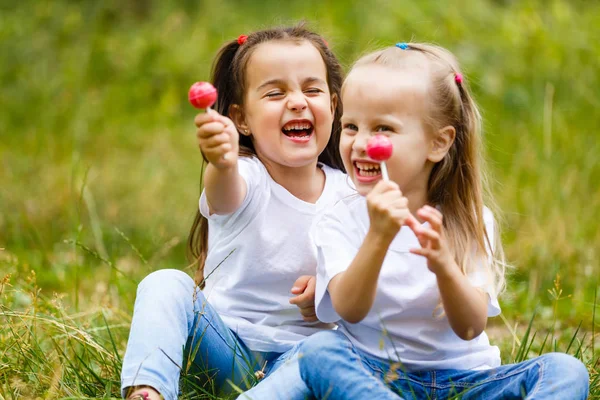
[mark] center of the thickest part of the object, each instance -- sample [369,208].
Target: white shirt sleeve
[255,176]
[481,277]
[336,242]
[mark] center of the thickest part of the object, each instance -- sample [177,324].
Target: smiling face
[381,100]
[288,109]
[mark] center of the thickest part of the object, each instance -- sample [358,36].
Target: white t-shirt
[270,238]
[401,325]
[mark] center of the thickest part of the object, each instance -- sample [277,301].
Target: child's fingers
[383,187]
[305,285]
[398,201]
[423,241]
[421,252]
[203,118]
[301,283]
[210,129]
[303,301]
[215,154]
[218,147]
[308,314]
[386,201]
[220,118]
[434,210]
[432,236]
[434,220]
[214,116]
[413,224]
[216,140]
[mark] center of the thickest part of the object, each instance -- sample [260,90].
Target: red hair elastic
[458,78]
[242,39]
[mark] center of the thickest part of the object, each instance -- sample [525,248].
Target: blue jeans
[334,369]
[175,331]
[283,382]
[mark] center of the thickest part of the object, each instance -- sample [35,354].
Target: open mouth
[299,131]
[366,171]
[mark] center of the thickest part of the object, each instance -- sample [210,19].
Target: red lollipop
[380,148]
[202,95]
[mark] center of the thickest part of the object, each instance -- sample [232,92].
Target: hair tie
[458,78]
[242,39]
[325,41]
[402,46]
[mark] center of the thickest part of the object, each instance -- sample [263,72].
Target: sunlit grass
[99,171]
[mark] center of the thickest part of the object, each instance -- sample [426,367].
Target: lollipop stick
[384,172]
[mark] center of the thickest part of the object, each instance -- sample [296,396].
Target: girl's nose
[359,145]
[297,102]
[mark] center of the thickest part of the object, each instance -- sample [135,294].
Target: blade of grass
[521,351]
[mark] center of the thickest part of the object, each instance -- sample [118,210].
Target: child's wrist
[379,239]
[229,167]
[448,271]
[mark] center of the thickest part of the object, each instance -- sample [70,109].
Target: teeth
[367,166]
[297,126]
[368,173]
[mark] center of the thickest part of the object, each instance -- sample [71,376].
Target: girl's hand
[304,289]
[217,139]
[433,242]
[388,209]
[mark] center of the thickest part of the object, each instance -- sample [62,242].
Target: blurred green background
[100,172]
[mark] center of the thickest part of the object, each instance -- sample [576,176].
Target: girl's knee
[566,368]
[321,343]
[167,281]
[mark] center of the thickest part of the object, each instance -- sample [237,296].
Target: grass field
[99,170]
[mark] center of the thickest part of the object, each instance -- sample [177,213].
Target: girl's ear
[236,113]
[441,143]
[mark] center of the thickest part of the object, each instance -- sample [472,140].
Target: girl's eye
[274,94]
[383,128]
[313,90]
[350,127]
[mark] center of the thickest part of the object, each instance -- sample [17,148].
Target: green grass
[99,171]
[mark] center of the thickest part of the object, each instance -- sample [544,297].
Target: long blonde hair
[458,183]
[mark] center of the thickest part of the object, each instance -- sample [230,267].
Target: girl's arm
[353,291]
[224,187]
[464,305]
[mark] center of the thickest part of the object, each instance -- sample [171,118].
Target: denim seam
[540,378]
[209,322]
[404,376]
[491,379]
[420,383]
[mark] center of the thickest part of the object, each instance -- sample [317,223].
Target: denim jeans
[334,369]
[174,330]
[283,382]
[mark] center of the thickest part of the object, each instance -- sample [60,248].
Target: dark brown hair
[229,78]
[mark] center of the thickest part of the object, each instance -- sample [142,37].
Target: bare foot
[146,393]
